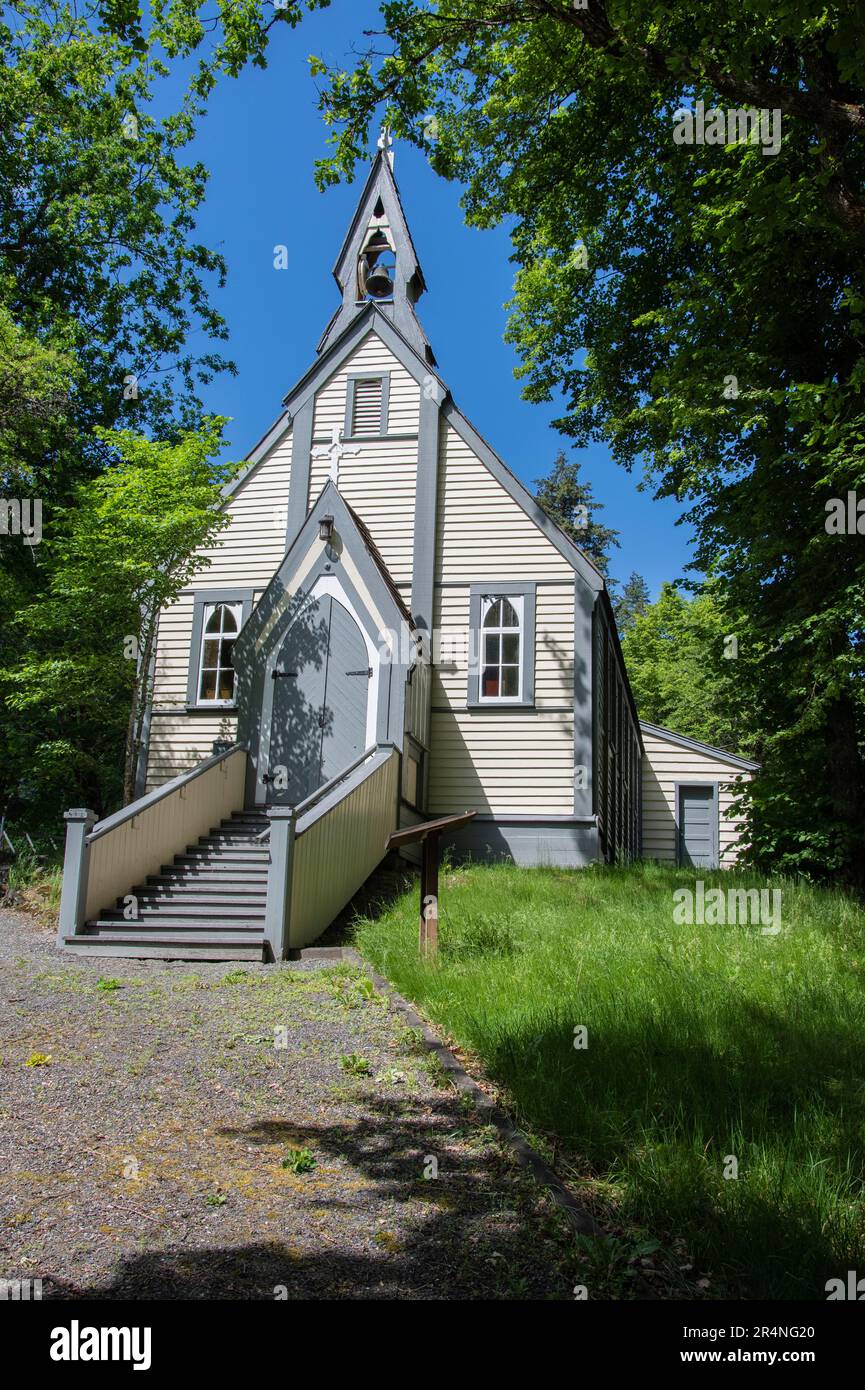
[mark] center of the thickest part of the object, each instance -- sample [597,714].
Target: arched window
[501,654]
[222,622]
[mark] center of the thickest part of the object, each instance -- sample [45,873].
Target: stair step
[187,902]
[174,928]
[189,873]
[233,856]
[227,891]
[183,946]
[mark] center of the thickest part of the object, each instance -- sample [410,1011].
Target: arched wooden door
[318,716]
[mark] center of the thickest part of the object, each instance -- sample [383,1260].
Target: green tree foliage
[699,307]
[106,313]
[571,504]
[683,672]
[129,543]
[631,603]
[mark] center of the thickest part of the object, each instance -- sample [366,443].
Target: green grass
[703,1042]
[34,884]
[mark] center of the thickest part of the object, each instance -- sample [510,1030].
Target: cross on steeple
[385,143]
[335,451]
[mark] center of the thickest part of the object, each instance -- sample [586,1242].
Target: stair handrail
[308,802]
[100,864]
[143,803]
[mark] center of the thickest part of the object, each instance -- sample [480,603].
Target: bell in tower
[376,268]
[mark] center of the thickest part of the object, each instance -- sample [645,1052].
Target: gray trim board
[503,708]
[529,843]
[525,589]
[301,462]
[585,732]
[144,749]
[467,583]
[202,599]
[697,747]
[425,515]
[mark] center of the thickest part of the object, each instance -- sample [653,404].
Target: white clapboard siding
[378,480]
[250,549]
[178,742]
[521,763]
[667,763]
[371,356]
[246,556]
[554,646]
[379,483]
[506,764]
[482,532]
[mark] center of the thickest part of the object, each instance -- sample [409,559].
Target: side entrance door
[319,699]
[698,826]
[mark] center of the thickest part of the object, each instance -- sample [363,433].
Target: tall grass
[703,1042]
[34,883]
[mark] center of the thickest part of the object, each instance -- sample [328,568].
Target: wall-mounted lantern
[325,528]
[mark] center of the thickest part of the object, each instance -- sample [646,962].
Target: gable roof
[329,501]
[376,557]
[695,745]
[372,320]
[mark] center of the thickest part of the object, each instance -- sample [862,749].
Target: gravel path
[143,1158]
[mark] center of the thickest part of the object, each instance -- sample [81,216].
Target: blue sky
[260,139]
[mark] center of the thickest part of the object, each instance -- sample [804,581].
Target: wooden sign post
[429,833]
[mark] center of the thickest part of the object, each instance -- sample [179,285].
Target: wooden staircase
[209,904]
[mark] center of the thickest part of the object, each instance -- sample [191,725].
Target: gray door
[698,826]
[346,692]
[318,715]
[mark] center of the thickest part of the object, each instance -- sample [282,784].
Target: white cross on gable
[334,451]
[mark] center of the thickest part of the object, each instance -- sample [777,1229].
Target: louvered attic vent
[366,414]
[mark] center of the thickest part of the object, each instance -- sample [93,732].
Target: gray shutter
[366,416]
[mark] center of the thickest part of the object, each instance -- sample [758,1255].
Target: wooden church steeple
[377,262]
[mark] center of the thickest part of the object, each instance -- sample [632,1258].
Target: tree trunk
[138,708]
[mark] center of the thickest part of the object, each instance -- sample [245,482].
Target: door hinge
[276,675]
[367,671]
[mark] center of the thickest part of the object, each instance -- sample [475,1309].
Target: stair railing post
[76,866]
[278,910]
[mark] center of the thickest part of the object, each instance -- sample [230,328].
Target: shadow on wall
[294,725]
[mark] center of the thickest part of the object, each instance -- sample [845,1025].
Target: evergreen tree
[570,503]
[631,603]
